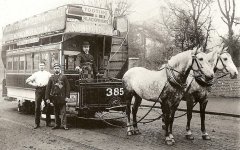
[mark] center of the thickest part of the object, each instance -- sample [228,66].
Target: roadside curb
[196,111]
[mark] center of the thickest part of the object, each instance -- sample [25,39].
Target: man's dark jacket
[83,58]
[62,92]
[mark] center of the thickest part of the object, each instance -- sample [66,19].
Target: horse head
[200,65]
[192,60]
[225,64]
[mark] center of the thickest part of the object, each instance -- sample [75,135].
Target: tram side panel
[18,90]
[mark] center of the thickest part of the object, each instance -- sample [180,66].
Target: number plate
[114,91]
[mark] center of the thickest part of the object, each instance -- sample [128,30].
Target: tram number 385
[114,91]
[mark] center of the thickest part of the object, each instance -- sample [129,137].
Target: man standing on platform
[39,80]
[86,63]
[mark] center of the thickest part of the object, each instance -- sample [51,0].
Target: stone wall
[226,86]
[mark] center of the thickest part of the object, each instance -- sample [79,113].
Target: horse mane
[211,56]
[177,60]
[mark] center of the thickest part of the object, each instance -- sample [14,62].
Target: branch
[224,20]
[220,7]
[226,10]
[194,10]
[233,13]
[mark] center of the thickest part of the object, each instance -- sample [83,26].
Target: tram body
[56,36]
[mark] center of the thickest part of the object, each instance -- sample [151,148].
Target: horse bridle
[220,59]
[172,78]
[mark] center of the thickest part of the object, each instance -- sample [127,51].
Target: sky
[142,10]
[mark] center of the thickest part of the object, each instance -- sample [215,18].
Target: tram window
[9,63]
[70,59]
[21,62]
[35,44]
[21,46]
[45,40]
[15,46]
[45,58]
[11,47]
[29,45]
[35,61]
[56,39]
[28,62]
[5,47]
[54,58]
[70,62]
[15,63]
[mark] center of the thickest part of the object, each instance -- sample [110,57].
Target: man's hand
[67,99]
[78,68]
[48,101]
[99,75]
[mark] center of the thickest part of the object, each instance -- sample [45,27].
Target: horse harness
[181,84]
[204,83]
[224,66]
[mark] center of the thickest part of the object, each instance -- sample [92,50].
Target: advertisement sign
[50,21]
[90,14]
[88,28]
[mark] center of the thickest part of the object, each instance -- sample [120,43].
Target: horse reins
[172,76]
[182,85]
[174,80]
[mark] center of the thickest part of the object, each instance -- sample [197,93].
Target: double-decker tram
[57,36]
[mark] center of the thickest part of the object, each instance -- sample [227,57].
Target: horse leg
[171,125]
[128,98]
[203,106]
[173,110]
[189,102]
[163,122]
[166,113]
[136,104]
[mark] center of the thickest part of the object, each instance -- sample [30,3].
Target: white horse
[221,60]
[164,86]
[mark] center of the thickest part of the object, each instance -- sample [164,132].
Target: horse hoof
[137,132]
[169,142]
[206,137]
[163,127]
[189,137]
[129,133]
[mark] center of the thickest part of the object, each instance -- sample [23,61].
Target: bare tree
[198,7]
[208,29]
[228,11]
[228,15]
[193,25]
[118,8]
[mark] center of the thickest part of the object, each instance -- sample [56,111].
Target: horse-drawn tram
[56,36]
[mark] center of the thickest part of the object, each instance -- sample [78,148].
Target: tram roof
[70,18]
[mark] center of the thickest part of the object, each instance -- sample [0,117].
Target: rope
[186,112]
[223,75]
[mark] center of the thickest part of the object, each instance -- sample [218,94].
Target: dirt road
[17,133]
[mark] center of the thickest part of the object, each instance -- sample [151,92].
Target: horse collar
[172,79]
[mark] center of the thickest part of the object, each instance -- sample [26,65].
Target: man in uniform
[39,80]
[58,92]
[85,62]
